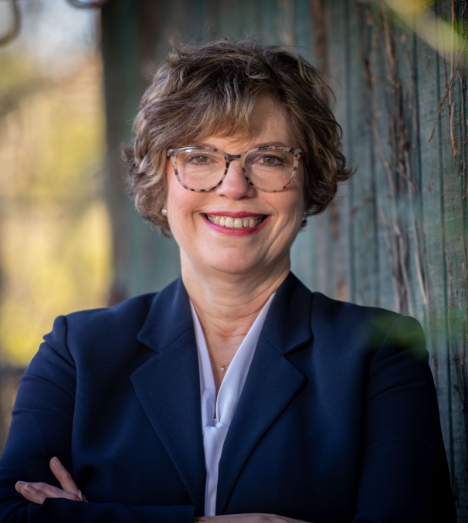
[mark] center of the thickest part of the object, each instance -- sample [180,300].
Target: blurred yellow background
[55,252]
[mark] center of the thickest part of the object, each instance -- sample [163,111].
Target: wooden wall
[396,236]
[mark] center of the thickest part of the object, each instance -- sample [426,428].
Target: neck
[227,304]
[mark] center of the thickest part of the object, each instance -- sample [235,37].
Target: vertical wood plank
[307,250]
[376,64]
[339,214]
[362,185]
[432,216]
[451,186]
[409,195]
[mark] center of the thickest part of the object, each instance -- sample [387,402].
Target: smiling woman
[207,246]
[212,91]
[235,393]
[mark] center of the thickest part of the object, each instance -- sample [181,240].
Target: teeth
[234,223]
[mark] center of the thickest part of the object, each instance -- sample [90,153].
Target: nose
[235,185]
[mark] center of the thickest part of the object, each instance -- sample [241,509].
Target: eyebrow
[254,146]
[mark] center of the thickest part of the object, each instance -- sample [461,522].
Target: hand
[39,492]
[247,518]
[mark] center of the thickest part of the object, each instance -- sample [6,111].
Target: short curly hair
[211,89]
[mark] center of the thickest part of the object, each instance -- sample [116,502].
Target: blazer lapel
[168,386]
[271,384]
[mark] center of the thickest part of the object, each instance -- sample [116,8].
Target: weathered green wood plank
[406,143]
[432,216]
[307,251]
[388,77]
[328,259]
[362,185]
[265,21]
[339,213]
[305,255]
[454,252]
[303,30]
[317,256]
[378,70]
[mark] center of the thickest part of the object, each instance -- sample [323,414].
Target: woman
[235,390]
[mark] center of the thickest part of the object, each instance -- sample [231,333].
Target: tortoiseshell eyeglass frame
[172,153]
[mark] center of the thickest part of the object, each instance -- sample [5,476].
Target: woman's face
[209,247]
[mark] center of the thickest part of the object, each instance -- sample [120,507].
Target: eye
[269,159]
[198,159]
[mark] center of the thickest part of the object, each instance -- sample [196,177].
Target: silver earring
[164,211]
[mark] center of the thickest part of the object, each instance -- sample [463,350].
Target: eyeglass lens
[268,169]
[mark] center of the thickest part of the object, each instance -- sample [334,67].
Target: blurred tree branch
[16,25]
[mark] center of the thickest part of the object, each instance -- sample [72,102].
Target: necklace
[222,367]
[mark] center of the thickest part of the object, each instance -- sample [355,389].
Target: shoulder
[332,310]
[374,330]
[87,330]
[127,316]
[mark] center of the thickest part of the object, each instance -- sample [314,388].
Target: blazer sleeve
[404,476]
[42,428]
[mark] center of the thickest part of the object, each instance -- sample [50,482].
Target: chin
[233,264]
[234,268]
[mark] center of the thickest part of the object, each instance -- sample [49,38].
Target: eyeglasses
[202,169]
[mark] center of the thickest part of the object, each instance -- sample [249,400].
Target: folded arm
[404,455]
[41,429]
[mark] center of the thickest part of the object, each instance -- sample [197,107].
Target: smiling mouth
[235,223]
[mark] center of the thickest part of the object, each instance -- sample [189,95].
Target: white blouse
[224,407]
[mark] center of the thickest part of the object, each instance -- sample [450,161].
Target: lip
[247,231]
[239,214]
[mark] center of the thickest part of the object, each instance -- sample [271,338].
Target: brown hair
[211,90]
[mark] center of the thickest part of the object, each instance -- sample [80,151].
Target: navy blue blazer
[337,423]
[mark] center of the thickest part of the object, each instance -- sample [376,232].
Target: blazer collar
[168,318]
[168,384]
[287,325]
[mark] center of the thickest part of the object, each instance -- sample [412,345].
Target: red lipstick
[243,231]
[239,214]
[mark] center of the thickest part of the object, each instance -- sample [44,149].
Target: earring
[164,211]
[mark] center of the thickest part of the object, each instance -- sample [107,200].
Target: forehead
[269,117]
[267,123]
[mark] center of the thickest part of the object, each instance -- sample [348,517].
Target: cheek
[297,183]
[294,212]
[176,194]
[182,208]
[295,203]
